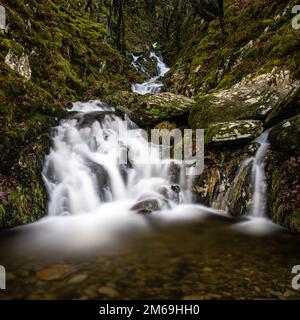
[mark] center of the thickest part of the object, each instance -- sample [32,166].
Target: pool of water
[206,256]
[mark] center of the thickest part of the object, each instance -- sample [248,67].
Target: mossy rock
[25,198]
[150,110]
[285,136]
[161,107]
[286,108]
[238,103]
[235,132]
[283,181]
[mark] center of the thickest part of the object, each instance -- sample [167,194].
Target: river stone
[147,206]
[109,292]
[78,278]
[55,272]
[285,136]
[234,132]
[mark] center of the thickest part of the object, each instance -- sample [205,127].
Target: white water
[152,85]
[259,202]
[83,170]
[258,180]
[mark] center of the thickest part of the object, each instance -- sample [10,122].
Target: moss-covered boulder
[287,108]
[285,136]
[150,110]
[164,106]
[235,132]
[240,102]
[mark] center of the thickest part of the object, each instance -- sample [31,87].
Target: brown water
[207,258]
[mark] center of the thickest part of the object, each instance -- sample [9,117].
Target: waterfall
[258,181]
[259,202]
[153,85]
[85,168]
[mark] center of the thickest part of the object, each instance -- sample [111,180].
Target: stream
[94,245]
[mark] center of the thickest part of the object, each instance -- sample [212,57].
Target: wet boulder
[234,132]
[147,206]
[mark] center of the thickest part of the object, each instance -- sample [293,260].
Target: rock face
[285,136]
[235,132]
[150,110]
[226,181]
[20,64]
[282,171]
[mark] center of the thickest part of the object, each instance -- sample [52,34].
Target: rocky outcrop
[282,171]
[225,183]
[233,104]
[235,132]
[255,97]
[285,136]
[150,110]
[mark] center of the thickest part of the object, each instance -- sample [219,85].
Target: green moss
[202,113]
[209,60]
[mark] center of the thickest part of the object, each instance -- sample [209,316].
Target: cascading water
[259,202]
[83,169]
[85,173]
[258,180]
[152,85]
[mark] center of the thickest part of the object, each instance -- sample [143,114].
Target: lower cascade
[257,180]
